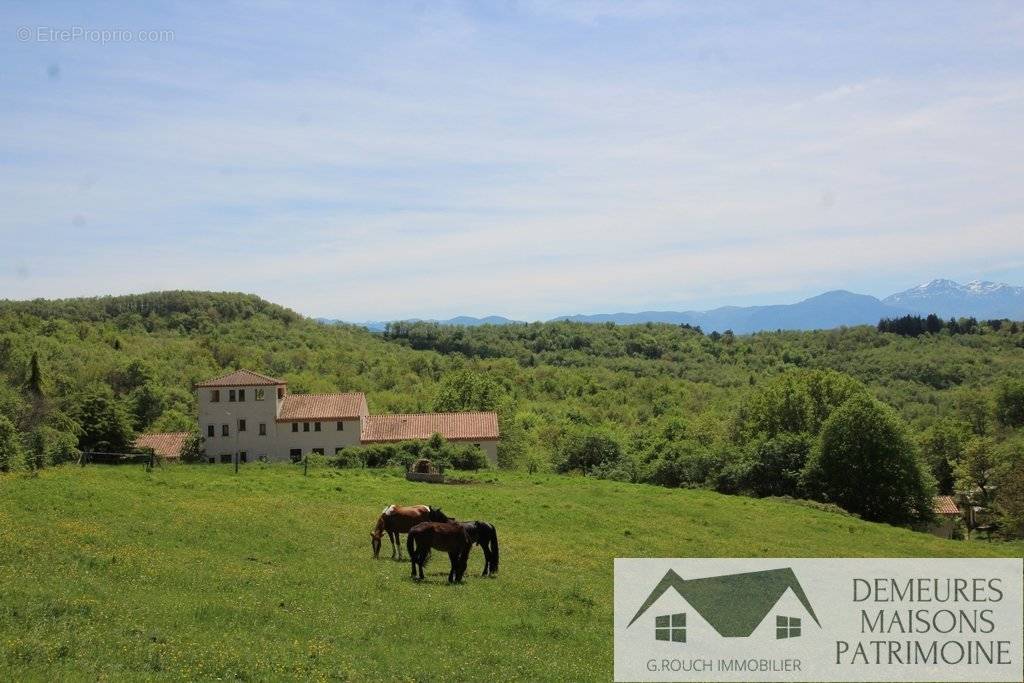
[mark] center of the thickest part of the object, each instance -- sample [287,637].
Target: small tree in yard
[105,425]
[865,462]
[193,450]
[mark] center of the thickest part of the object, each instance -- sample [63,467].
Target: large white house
[254,416]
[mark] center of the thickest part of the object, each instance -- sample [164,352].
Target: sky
[370,161]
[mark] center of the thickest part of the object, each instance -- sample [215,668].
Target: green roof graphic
[733,604]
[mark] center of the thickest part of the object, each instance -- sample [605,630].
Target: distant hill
[831,309]
[948,299]
[462,320]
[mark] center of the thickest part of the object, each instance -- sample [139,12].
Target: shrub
[587,449]
[11,456]
[772,467]
[441,453]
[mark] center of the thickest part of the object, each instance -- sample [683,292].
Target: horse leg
[411,542]
[453,557]
[396,544]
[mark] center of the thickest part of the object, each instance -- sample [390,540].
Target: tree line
[760,414]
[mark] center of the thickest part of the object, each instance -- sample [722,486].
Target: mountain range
[945,298]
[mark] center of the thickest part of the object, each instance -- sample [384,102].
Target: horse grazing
[485,536]
[452,537]
[398,519]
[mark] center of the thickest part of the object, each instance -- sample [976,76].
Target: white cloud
[441,163]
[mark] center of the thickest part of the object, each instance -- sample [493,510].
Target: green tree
[773,467]
[1009,495]
[11,456]
[976,473]
[1009,404]
[866,463]
[35,376]
[468,390]
[147,405]
[796,401]
[942,446]
[105,425]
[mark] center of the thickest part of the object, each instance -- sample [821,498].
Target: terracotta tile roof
[322,407]
[452,426]
[166,445]
[946,505]
[241,378]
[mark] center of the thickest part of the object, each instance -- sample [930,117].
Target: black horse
[485,536]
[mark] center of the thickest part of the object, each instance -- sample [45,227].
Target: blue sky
[382,160]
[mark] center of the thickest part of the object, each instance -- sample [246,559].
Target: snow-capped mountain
[947,298]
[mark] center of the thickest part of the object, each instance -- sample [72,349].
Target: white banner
[819,619]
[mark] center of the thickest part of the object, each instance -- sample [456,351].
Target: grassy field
[198,573]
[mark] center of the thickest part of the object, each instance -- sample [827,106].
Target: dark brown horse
[452,537]
[398,519]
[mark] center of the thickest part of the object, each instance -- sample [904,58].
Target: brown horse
[452,537]
[398,519]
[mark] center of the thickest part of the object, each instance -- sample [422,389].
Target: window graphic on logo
[733,605]
[787,627]
[671,627]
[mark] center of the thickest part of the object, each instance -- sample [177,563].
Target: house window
[224,430]
[258,394]
[215,396]
[280,393]
[241,395]
[211,431]
[225,457]
[295,426]
[241,425]
[670,627]
[211,460]
[242,456]
[341,426]
[787,627]
[296,454]
[263,428]
[318,451]
[316,426]
[232,395]
[305,426]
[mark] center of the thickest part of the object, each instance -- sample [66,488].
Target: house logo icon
[733,604]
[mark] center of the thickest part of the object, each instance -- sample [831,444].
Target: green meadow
[195,572]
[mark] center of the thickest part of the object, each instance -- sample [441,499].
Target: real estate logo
[734,604]
[877,619]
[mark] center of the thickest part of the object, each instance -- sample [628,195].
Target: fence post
[305,466]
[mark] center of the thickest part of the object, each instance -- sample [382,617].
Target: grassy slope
[194,572]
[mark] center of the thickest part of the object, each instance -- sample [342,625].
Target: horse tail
[494,546]
[410,543]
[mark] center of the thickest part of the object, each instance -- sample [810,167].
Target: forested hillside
[766,414]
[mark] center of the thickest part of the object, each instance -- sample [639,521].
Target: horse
[485,536]
[396,520]
[452,537]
